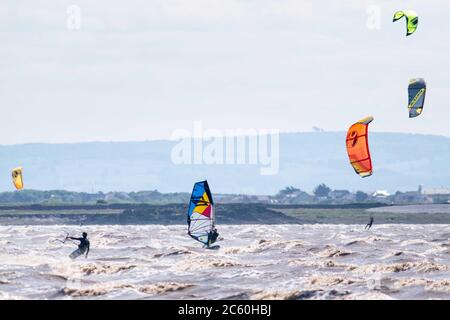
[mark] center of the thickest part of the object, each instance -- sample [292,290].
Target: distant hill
[401,162]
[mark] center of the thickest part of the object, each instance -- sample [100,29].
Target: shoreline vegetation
[289,206]
[226,213]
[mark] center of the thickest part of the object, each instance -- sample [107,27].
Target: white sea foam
[256,262]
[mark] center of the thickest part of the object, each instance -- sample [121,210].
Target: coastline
[226,214]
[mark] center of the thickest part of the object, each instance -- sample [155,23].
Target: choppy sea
[253,262]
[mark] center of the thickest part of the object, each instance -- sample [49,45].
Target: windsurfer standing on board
[212,236]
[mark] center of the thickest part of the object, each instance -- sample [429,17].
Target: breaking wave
[301,262]
[102,289]
[105,269]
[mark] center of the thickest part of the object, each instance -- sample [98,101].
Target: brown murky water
[253,262]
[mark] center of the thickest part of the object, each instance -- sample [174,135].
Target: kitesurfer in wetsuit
[83,247]
[369,225]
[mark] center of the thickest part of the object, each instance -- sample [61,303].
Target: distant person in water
[212,236]
[369,225]
[83,247]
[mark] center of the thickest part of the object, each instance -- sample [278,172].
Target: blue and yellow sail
[200,216]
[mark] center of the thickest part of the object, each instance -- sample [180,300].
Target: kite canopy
[358,147]
[412,20]
[200,217]
[416,96]
[17,178]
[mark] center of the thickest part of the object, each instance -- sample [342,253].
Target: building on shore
[437,195]
[411,197]
[382,194]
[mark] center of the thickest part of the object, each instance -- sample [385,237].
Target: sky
[82,70]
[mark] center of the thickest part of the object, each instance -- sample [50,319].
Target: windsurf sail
[17,178]
[416,96]
[200,217]
[358,147]
[412,20]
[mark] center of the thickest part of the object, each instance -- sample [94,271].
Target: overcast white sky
[138,70]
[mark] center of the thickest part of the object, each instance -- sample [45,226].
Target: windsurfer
[212,236]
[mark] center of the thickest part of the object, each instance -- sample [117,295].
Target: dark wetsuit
[83,247]
[369,225]
[212,236]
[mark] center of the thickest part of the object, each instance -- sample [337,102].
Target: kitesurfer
[369,225]
[83,247]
